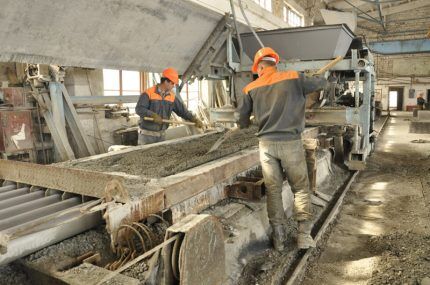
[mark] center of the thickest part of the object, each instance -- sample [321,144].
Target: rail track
[302,258]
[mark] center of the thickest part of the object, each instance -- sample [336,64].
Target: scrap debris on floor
[382,235]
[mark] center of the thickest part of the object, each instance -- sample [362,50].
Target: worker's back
[278,101]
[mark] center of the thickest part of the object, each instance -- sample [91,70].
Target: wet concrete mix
[169,159]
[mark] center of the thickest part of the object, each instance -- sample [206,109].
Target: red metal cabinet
[15,131]
[14,96]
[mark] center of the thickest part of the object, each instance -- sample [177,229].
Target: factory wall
[407,100]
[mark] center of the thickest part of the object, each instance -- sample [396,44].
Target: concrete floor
[382,235]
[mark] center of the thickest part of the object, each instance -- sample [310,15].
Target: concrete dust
[382,235]
[58,255]
[13,274]
[405,258]
[90,274]
[170,159]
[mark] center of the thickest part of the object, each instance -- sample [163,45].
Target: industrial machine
[345,110]
[213,208]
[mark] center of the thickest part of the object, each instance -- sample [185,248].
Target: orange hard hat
[171,74]
[264,52]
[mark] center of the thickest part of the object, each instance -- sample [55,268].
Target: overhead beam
[401,47]
[400,8]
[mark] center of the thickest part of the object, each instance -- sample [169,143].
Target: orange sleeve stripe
[275,78]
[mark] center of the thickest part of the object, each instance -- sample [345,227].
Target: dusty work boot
[278,237]
[304,238]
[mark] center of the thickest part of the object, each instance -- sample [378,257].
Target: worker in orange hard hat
[264,54]
[156,104]
[277,99]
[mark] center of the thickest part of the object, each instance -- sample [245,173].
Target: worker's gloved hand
[310,73]
[199,124]
[157,118]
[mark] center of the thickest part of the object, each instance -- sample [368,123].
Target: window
[266,4]
[191,94]
[292,17]
[122,82]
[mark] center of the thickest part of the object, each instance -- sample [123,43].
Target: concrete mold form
[126,198]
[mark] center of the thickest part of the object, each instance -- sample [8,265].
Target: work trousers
[148,139]
[276,156]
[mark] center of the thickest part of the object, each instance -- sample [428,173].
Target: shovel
[228,134]
[171,121]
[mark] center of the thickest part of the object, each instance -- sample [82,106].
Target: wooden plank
[57,104]
[180,187]
[75,122]
[76,133]
[84,182]
[60,138]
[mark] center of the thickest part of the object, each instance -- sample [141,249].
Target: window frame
[142,83]
[287,10]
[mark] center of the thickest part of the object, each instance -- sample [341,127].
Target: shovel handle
[171,121]
[329,65]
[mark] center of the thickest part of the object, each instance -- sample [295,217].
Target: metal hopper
[304,43]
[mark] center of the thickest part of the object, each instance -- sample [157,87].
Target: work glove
[199,124]
[157,118]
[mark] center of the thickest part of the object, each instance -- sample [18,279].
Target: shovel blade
[222,139]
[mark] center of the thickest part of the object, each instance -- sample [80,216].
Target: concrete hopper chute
[304,43]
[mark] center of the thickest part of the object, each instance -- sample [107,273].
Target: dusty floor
[171,159]
[382,235]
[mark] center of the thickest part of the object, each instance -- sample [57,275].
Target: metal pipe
[14,193]
[249,24]
[357,88]
[362,11]
[101,100]
[21,199]
[380,15]
[356,139]
[29,206]
[63,229]
[38,213]
[7,188]
[367,19]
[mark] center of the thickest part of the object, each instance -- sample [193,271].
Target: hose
[249,24]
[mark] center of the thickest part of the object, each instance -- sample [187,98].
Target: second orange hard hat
[264,52]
